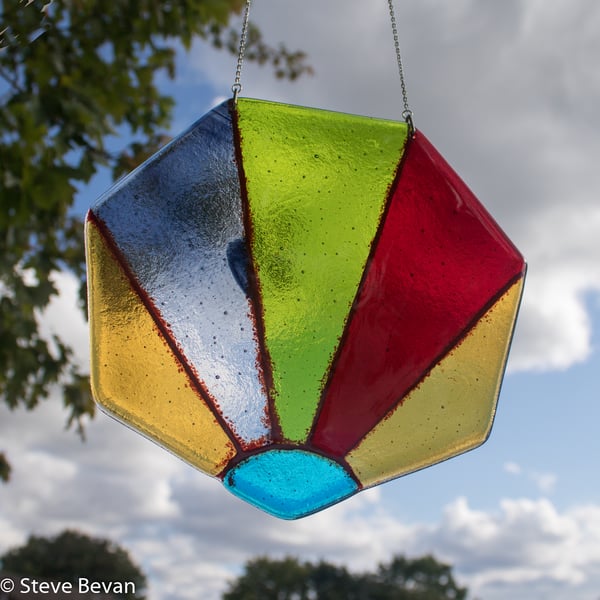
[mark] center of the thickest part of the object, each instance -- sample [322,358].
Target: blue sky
[508,92]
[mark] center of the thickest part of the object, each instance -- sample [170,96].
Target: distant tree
[4,468]
[71,555]
[423,578]
[266,579]
[333,582]
[71,75]
[289,579]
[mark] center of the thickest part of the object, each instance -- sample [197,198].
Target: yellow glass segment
[451,410]
[134,374]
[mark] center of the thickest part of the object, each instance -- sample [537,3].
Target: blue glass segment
[290,483]
[177,222]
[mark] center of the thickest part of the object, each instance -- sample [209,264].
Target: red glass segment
[439,263]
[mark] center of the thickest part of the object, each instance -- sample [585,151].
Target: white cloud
[63,318]
[545,482]
[513,468]
[523,549]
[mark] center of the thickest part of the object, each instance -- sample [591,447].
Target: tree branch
[11,81]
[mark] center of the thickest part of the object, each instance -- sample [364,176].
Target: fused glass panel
[301,303]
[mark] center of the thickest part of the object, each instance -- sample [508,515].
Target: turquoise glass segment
[290,483]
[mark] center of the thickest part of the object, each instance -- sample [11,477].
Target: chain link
[407,113]
[236,88]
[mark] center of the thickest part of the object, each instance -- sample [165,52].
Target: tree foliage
[423,578]
[71,555]
[401,579]
[4,468]
[71,75]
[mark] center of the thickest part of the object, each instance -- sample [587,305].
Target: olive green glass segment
[317,184]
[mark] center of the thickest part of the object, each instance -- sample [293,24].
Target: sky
[508,93]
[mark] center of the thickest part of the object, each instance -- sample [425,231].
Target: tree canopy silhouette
[70,556]
[402,578]
[71,75]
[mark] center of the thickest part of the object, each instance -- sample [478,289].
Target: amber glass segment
[317,184]
[451,410]
[136,377]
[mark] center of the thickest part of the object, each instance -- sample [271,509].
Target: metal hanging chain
[407,113]
[236,88]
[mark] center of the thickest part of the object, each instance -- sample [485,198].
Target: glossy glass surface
[451,410]
[137,377]
[317,184]
[440,262]
[290,483]
[173,221]
[300,303]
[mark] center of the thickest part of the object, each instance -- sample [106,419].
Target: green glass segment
[317,183]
